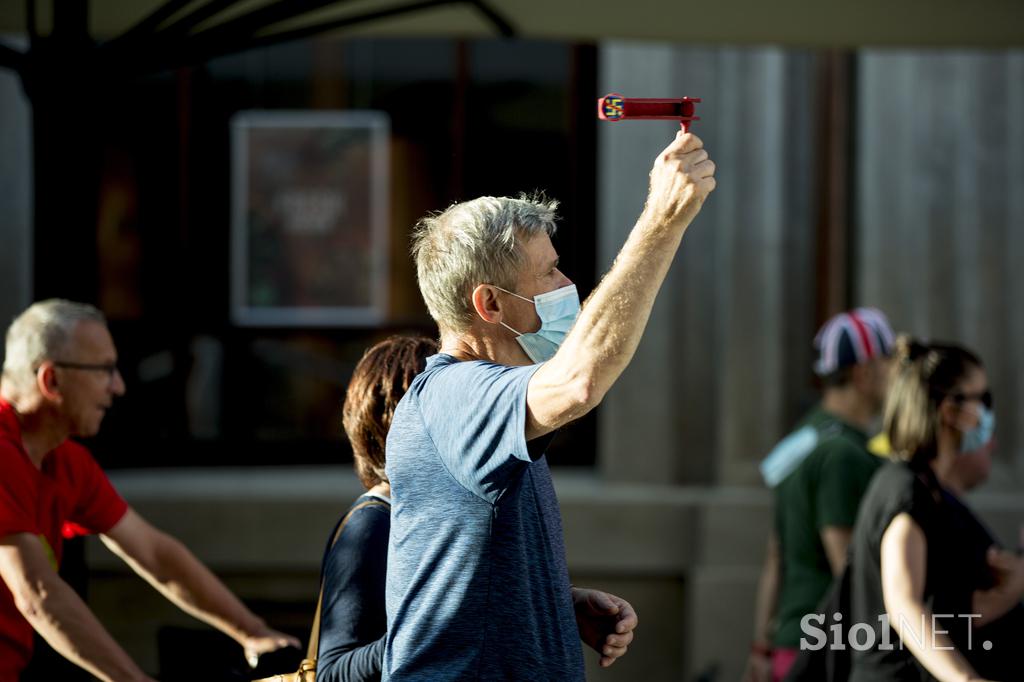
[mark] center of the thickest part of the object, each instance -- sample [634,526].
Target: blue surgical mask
[980,435]
[557,311]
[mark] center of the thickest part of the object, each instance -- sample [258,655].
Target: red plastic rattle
[615,107]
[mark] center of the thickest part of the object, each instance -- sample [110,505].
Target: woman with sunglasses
[925,578]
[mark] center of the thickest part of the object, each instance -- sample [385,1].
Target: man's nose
[117,386]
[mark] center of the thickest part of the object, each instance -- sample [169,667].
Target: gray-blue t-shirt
[477,585]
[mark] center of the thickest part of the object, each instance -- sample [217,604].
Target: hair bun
[909,349]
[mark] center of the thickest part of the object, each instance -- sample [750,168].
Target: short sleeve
[98,506]
[845,475]
[475,415]
[905,492]
[17,508]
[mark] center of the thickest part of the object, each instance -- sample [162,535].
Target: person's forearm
[358,664]
[60,617]
[914,623]
[836,541]
[612,321]
[767,597]
[184,580]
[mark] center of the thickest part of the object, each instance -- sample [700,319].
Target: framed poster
[309,218]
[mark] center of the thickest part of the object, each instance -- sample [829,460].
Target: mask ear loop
[512,293]
[510,329]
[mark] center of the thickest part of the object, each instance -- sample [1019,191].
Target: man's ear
[861,377]
[486,304]
[46,382]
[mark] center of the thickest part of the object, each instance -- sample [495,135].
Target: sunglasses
[985,398]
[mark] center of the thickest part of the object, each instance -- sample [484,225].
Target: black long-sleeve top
[353,620]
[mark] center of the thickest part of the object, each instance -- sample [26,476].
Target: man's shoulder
[72,460]
[443,362]
[9,450]
[838,447]
[465,378]
[73,452]
[813,449]
[788,454]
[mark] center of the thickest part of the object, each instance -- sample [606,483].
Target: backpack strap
[314,635]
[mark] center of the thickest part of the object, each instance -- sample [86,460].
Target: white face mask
[557,311]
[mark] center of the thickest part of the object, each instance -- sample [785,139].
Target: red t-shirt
[70,496]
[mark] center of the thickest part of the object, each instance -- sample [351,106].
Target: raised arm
[58,614]
[172,569]
[903,565]
[612,320]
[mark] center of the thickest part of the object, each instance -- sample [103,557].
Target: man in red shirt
[59,378]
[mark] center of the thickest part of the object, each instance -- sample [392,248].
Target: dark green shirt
[824,490]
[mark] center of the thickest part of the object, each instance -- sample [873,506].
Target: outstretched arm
[172,569]
[612,321]
[58,614]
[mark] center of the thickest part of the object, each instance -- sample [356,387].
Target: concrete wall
[940,213]
[686,557]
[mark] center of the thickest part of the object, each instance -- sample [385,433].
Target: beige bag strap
[314,636]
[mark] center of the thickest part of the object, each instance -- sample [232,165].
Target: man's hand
[681,179]
[759,668]
[264,641]
[606,623]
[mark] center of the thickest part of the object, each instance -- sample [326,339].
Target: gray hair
[472,243]
[41,333]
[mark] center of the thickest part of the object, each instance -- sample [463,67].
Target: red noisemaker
[615,107]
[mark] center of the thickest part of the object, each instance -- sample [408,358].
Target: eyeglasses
[985,398]
[109,367]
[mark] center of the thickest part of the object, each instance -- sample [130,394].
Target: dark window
[467,118]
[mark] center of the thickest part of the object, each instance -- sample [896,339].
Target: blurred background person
[819,473]
[353,619]
[60,377]
[917,551]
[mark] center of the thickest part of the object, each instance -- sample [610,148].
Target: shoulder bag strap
[314,635]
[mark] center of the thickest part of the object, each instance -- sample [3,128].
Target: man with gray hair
[59,378]
[477,584]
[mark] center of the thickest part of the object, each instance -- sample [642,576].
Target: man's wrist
[761,648]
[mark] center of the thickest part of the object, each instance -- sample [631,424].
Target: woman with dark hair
[919,563]
[353,622]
